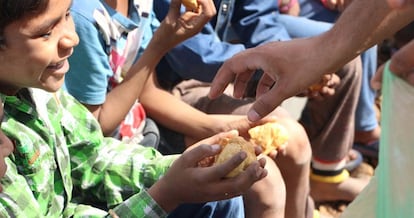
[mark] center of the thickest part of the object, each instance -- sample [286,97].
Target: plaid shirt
[62,163]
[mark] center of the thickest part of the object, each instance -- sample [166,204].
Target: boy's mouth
[57,65]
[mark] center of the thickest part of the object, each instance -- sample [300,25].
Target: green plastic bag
[390,194]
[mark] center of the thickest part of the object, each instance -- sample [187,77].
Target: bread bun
[269,136]
[190,4]
[232,146]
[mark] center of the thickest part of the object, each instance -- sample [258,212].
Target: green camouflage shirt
[62,164]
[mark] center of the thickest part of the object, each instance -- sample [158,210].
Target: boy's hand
[177,26]
[324,88]
[186,182]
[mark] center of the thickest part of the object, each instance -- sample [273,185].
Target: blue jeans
[307,26]
[231,208]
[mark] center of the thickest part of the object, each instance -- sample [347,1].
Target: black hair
[13,10]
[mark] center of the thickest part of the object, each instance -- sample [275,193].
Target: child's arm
[174,29]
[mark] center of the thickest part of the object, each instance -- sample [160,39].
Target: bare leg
[294,165]
[266,198]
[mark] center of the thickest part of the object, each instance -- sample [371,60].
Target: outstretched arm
[175,28]
[290,67]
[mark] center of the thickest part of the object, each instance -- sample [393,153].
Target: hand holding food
[323,82]
[232,146]
[270,136]
[324,88]
[190,4]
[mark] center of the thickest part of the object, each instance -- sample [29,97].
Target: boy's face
[6,148]
[37,48]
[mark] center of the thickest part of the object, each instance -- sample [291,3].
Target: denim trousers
[231,208]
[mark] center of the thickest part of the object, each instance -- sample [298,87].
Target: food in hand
[323,82]
[269,136]
[316,87]
[190,4]
[232,146]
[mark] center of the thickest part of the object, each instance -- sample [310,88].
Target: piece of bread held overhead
[190,4]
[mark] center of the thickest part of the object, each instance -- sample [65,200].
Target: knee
[267,197]
[298,149]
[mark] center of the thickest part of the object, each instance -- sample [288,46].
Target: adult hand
[204,184]
[401,64]
[177,27]
[287,70]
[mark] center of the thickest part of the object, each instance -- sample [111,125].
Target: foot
[367,137]
[347,190]
[353,160]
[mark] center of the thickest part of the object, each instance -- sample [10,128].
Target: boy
[61,161]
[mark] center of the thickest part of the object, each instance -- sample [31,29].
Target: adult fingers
[227,73]
[265,84]
[241,83]
[266,102]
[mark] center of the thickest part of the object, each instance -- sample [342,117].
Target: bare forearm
[176,114]
[120,100]
[362,25]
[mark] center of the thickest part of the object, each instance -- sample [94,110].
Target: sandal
[368,150]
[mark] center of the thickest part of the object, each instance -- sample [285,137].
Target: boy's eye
[67,14]
[46,35]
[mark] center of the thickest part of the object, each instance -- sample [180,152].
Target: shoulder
[86,8]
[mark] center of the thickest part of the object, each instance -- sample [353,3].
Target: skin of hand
[294,10]
[399,4]
[275,84]
[402,65]
[177,27]
[288,74]
[225,123]
[323,89]
[203,184]
[174,29]
[339,5]
[192,123]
